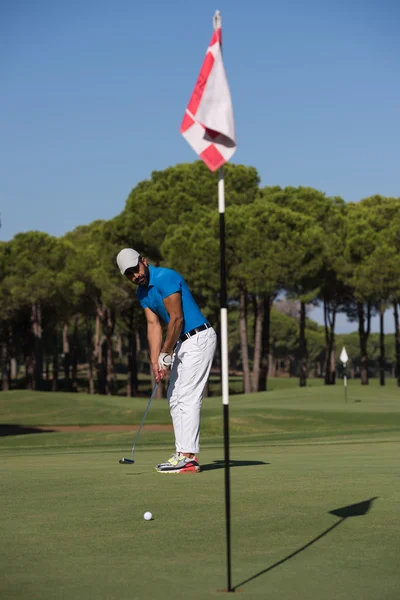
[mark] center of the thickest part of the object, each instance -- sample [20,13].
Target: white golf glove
[164,360]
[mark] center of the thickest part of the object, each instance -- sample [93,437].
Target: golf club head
[126,461]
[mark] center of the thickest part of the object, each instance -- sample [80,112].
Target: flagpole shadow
[353,510]
[220,464]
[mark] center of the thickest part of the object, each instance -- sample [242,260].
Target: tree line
[63,300]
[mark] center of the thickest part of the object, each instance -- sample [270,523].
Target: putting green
[73,527]
[314,505]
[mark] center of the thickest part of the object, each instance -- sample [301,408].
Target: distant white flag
[343,356]
[208,125]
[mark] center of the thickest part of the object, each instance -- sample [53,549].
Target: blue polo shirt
[162,283]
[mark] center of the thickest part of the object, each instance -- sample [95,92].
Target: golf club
[130,461]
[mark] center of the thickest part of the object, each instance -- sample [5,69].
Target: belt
[193,332]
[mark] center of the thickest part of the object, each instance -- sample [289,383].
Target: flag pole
[224,369]
[224,351]
[208,126]
[344,358]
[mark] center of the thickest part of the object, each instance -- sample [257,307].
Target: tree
[381,266]
[180,194]
[370,265]
[6,315]
[392,277]
[34,260]
[305,281]
[99,291]
[265,247]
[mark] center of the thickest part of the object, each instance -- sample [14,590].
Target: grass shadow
[352,510]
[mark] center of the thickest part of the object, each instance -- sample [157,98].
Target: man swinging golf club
[188,350]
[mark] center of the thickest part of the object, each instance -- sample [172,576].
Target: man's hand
[158,373]
[161,368]
[164,361]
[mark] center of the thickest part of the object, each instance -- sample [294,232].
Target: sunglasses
[132,270]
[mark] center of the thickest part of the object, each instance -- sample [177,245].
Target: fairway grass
[72,522]
[312,414]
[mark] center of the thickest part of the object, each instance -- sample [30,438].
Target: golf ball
[148,516]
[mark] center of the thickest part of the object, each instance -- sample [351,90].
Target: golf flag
[343,356]
[208,125]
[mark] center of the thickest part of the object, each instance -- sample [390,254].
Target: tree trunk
[5,371]
[109,331]
[303,346]
[333,366]
[364,333]
[33,348]
[396,306]
[29,363]
[138,342]
[14,368]
[90,355]
[97,356]
[318,369]
[36,362]
[39,348]
[74,357]
[101,366]
[105,367]
[329,322]
[271,366]
[258,332]
[382,346]
[133,382]
[66,354]
[11,360]
[244,345]
[119,345]
[99,348]
[54,382]
[267,303]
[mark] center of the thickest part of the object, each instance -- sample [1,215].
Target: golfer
[188,350]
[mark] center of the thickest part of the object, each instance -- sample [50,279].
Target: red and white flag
[208,124]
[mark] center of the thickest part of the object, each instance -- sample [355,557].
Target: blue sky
[93,93]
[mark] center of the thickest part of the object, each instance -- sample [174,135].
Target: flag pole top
[217,20]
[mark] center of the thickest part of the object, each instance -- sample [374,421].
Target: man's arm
[173,304]
[154,337]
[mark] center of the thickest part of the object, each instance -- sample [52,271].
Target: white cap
[127,258]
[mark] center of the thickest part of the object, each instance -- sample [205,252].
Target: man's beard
[144,279]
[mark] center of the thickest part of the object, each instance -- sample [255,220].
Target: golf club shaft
[143,419]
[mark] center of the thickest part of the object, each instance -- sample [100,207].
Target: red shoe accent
[190,469]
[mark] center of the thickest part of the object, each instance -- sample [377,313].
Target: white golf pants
[189,373]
